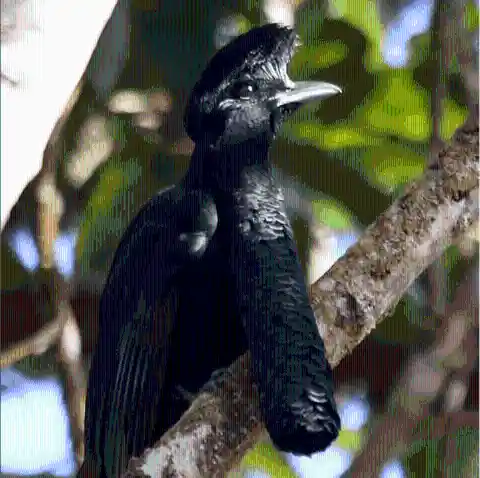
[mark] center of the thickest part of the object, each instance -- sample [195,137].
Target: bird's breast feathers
[260,210]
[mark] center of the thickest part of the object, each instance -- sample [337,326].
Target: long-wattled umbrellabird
[209,268]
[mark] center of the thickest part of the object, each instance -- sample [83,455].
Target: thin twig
[50,211]
[34,345]
[70,358]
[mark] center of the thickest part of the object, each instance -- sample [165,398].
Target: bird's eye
[244,89]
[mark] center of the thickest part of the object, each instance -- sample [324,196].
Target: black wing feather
[137,314]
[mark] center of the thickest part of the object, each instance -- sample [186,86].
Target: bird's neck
[228,170]
[244,187]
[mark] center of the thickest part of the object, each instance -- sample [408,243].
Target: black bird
[209,268]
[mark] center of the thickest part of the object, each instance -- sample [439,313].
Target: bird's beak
[303,91]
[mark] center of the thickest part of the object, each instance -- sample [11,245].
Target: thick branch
[349,300]
[368,281]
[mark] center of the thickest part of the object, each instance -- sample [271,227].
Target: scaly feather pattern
[288,356]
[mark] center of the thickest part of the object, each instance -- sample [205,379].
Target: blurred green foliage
[264,457]
[422,455]
[331,212]
[359,148]
[108,211]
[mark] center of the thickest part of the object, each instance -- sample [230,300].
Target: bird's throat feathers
[243,186]
[228,169]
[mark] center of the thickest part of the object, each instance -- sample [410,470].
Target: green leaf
[363,14]
[418,445]
[329,137]
[332,213]
[422,454]
[471,16]
[421,50]
[390,165]
[108,212]
[351,440]
[312,58]
[466,440]
[266,458]
[424,451]
[453,116]
[398,107]
[309,19]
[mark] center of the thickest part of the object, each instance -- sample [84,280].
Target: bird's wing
[135,392]
[137,314]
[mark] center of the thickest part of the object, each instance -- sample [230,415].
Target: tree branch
[369,280]
[358,292]
[35,344]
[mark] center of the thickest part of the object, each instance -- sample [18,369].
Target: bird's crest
[268,48]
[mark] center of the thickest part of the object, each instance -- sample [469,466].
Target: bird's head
[245,91]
